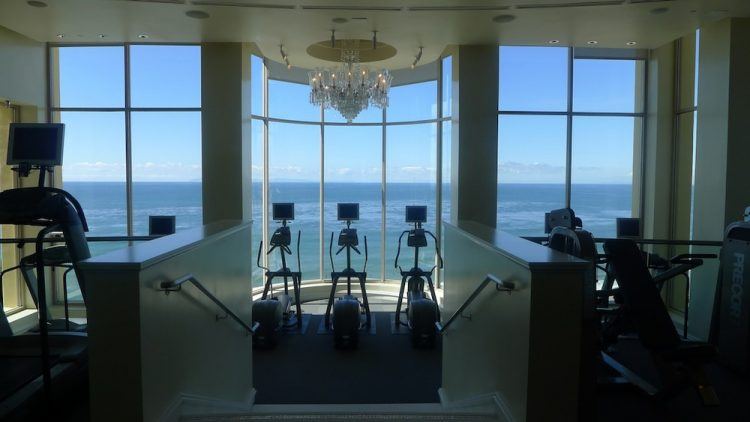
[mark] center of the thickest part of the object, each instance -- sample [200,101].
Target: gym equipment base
[362,328]
[293,330]
[401,328]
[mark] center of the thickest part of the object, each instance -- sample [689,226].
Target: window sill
[23,321]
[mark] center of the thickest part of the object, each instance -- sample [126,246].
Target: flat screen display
[416,213]
[283,211]
[161,225]
[348,211]
[36,144]
[629,227]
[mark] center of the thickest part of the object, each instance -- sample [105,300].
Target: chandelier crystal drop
[349,88]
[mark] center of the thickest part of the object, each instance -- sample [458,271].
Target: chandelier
[349,88]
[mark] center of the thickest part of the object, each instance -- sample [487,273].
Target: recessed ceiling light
[631,43]
[553,42]
[101,35]
[592,42]
[503,18]
[60,36]
[197,14]
[143,36]
[339,20]
[34,3]
[659,11]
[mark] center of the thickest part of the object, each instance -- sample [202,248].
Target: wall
[722,188]
[474,134]
[22,73]
[152,353]
[507,347]
[225,118]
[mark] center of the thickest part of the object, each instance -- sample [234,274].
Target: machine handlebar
[257,261]
[330,253]
[398,251]
[299,266]
[364,269]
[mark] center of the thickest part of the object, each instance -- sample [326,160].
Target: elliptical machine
[347,310]
[274,313]
[422,312]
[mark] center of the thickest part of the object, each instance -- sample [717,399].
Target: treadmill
[41,370]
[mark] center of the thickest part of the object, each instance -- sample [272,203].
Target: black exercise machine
[347,310]
[422,312]
[730,326]
[679,362]
[273,312]
[63,356]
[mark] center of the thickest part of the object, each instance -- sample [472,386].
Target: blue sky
[166,145]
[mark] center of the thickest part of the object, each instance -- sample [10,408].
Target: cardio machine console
[417,238]
[282,236]
[348,237]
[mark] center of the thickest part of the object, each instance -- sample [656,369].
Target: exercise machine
[679,362]
[346,320]
[273,312]
[422,311]
[44,359]
[730,327]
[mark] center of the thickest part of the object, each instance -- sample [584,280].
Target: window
[410,180]
[313,158]
[553,153]
[294,176]
[602,171]
[531,171]
[354,178]
[159,120]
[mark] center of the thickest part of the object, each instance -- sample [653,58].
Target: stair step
[341,417]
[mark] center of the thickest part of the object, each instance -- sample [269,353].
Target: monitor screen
[629,227]
[36,144]
[161,225]
[348,211]
[564,217]
[416,213]
[283,211]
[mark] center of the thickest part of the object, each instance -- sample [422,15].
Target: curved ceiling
[404,24]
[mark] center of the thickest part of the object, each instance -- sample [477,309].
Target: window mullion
[128,146]
[382,198]
[569,131]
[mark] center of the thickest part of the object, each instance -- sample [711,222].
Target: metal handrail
[59,239]
[176,285]
[500,285]
[667,242]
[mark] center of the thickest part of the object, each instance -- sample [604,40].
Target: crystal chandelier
[350,88]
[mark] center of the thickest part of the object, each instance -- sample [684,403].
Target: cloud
[535,168]
[344,171]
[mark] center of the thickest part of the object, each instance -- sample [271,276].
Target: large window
[133,135]
[312,157]
[568,125]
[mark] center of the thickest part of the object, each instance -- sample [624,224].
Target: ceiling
[404,24]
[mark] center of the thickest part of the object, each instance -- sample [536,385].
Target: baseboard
[196,405]
[489,403]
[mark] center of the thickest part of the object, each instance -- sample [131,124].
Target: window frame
[574,53]
[54,111]
[265,119]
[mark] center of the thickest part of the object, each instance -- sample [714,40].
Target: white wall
[149,351]
[22,69]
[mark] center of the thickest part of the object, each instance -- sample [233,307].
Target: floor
[384,368]
[307,369]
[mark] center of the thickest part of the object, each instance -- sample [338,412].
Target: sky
[166,146]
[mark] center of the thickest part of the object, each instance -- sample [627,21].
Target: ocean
[521,209]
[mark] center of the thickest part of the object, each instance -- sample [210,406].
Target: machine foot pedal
[363,329]
[295,329]
[401,329]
